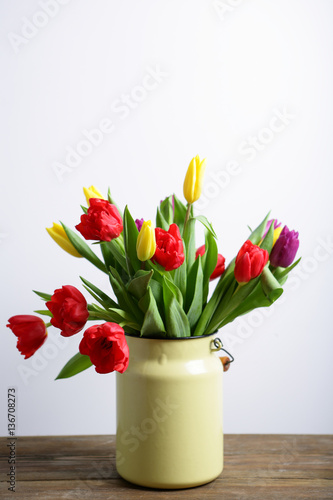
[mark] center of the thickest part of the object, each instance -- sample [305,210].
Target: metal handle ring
[218,346]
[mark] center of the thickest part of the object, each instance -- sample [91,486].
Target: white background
[224,74]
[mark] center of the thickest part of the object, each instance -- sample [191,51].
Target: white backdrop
[247,84]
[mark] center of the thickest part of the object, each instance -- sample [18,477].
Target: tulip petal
[59,235]
[243,269]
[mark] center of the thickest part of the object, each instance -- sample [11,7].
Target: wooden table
[266,467]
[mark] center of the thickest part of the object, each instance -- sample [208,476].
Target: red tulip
[106,347]
[102,221]
[169,248]
[69,309]
[250,262]
[220,266]
[31,333]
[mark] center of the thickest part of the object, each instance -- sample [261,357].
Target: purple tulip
[138,223]
[285,248]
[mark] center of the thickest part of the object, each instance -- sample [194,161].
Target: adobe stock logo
[247,149]
[132,437]
[31,27]
[223,7]
[40,360]
[121,107]
[277,124]
[246,326]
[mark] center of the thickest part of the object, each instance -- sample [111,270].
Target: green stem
[187,216]
[47,325]
[96,316]
[120,242]
[240,285]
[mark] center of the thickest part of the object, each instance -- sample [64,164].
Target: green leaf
[229,270]
[226,307]
[175,290]
[209,261]
[116,315]
[267,243]
[224,284]
[44,296]
[281,272]
[153,324]
[189,241]
[166,210]
[125,300]
[191,279]
[139,284]
[84,209]
[84,249]
[270,285]
[118,253]
[111,200]
[177,323]
[107,255]
[196,283]
[256,235]
[159,271]
[180,277]
[256,299]
[123,318]
[44,312]
[75,365]
[131,234]
[206,223]
[98,294]
[179,213]
[157,290]
[160,220]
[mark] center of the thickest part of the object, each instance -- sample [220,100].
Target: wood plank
[256,467]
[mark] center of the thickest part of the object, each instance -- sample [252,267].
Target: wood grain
[258,467]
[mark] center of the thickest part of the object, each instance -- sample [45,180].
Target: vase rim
[172,338]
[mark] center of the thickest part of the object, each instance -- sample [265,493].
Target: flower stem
[187,216]
[143,265]
[238,288]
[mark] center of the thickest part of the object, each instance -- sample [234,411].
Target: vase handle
[218,346]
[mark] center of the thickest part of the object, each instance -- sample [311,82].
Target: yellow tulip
[146,243]
[92,192]
[193,179]
[276,234]
[59,235]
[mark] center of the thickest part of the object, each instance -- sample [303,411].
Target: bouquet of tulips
[160,279]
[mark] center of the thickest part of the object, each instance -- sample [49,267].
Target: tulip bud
[138,223]
[285,248]
[250,262]
[92,192]
[146,244]
[30,331]
[193,179]
[220,265]
[59,235]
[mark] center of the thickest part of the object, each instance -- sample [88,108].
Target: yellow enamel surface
[169,413]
